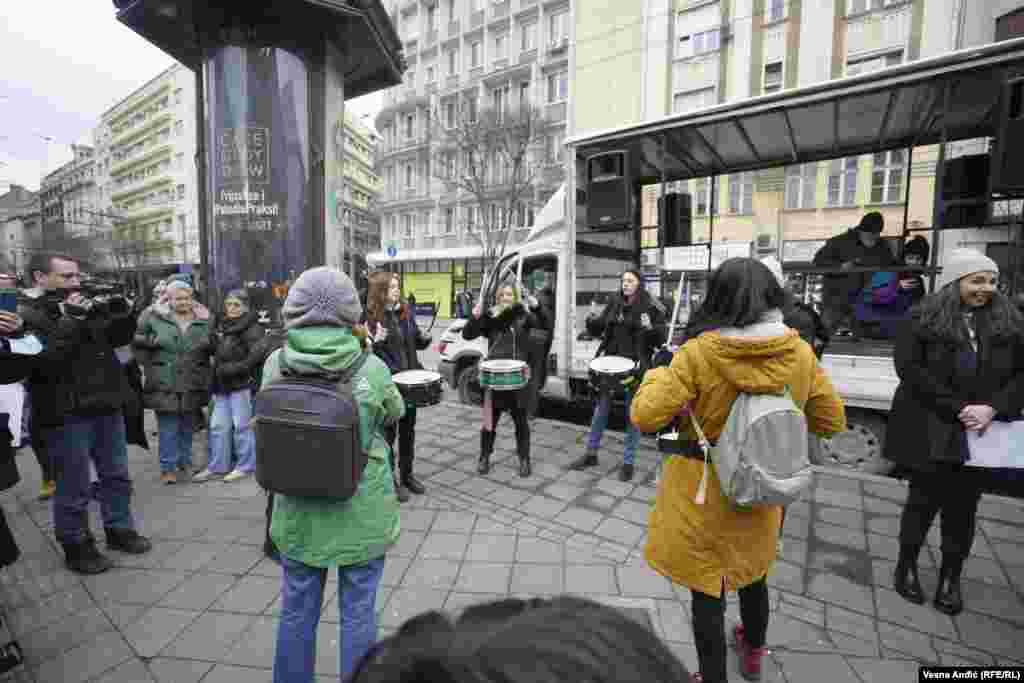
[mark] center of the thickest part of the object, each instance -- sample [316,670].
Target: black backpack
[307,435]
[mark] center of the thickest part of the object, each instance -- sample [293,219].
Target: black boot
[626,472]
[525,469]
[486,448]
[127,541]
[906,581]
[948,597]
[84,558]
[588,459]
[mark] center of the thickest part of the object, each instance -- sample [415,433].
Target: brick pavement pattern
[203,606]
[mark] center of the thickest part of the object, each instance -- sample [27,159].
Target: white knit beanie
[322,296]
[776,268]
[963,262]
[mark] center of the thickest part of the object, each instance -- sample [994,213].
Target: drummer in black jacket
[632,325]
[396,337]
[506,327]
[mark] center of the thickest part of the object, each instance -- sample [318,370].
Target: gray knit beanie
[963,262]
[322,296]
[239,295]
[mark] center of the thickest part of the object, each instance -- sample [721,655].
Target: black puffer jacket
[77,372]
[404,339]
[621,329]
[240,347]
[507,334]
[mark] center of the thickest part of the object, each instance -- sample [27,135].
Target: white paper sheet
[12,401]
[1001,446]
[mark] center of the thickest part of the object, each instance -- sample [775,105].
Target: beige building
[662,57]
[145,150]
[464,56]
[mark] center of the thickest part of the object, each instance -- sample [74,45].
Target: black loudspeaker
[1007,160]
[609,189]
[677,210]
[966,177]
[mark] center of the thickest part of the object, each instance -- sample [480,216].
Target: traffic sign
[392,251]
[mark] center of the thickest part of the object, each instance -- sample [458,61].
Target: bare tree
[489,158]
[84,246]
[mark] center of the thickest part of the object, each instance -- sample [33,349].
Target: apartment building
[19,227]
[145,149]
[464,56]
[71,210]
[354,222]
[662,57]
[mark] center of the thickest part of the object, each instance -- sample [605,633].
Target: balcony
[453,29]
[500,10]
[556,113]
[528,56]
[475,74]
[476,20]
[500,64]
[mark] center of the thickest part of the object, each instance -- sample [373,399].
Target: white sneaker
[206,475]
[236,475]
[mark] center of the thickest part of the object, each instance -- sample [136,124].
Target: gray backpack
[761,456]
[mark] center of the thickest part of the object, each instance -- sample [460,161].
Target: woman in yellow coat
[737,342]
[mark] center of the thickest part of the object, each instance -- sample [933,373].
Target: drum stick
[675,311]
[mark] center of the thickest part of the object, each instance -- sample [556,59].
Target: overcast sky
[64,64]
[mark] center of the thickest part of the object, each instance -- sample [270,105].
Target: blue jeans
[175,440]
[101,439]
[600,422]
[230,417]
[302,596]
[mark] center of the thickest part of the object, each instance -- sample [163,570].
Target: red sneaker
[696,678]
[750,657]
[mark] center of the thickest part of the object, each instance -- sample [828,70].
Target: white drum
[422,388]
[607,373]
[504,374]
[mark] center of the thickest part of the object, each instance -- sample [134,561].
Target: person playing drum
[631,326]
[396,337]
[506,327]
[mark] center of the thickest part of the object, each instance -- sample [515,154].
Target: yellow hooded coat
[715,545]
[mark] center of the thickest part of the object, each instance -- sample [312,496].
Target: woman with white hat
[960,361]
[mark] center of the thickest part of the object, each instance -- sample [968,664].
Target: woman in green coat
[177,339]
[315,535]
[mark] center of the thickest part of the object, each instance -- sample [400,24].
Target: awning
[899,107]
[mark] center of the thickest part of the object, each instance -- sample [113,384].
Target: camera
[98,298]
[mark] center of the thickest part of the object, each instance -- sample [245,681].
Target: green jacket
[321,532]
[177,364]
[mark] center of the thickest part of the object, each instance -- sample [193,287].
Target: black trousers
[953,489]
[510,401]
[405,433]
[45,464]
[709,627]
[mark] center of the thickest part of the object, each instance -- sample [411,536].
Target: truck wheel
[470,392]
[859,448]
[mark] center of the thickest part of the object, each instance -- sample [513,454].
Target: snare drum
[503,375]
[670,443]
[422,388]
[607,373]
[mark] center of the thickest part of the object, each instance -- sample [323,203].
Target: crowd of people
[960,360]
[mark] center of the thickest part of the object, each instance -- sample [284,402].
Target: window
[741,193]
[707,197]
[558,86]
[499,102]
[432,18]
[860,6]
[431,74]
[410,126]
[887,176]
[425,222]
[500,46]
[698,43]
[528,36]
[471,108]
[179,161]
[800,186]
[470,218]
[177,96]
[862,66]
[558,28]
[181,192]
[474,54]
[409,176]
[179,128]
[449,114]
[524,95]
[772,77]
[448,225]
[181,223]
[448,165]
[553,145]
[842,182]
[776,10]
[691,101]
[407,226]
[453,62]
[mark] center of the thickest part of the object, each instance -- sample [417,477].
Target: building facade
[72,220]
[353,223]
[662,57]
[464,56]
[145,149]
[20,227]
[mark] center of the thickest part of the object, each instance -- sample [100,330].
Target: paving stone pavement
[203,606]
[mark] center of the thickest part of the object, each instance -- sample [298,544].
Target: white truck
[939,100]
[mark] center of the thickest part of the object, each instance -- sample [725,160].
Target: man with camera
[79,392]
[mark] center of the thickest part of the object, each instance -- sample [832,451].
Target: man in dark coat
[860,247]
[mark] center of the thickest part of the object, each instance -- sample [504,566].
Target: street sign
[392,251]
